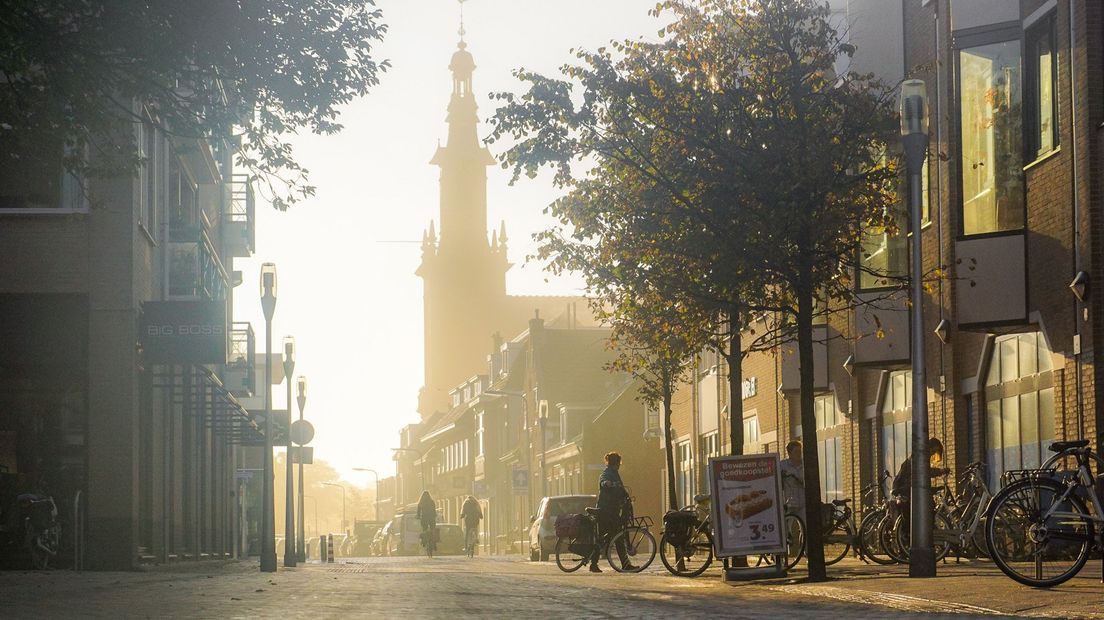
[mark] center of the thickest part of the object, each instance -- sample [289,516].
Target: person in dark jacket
[470,514]
[427,516]
[902,482]
[612,505]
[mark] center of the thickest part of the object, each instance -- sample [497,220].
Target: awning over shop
[198,390]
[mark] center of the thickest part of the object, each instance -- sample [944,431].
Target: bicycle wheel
[870,547]
[631,550]
[837,542]
[689,559]
[572,553]
[940,545]
[887,539]
[1035,550]
[795,540]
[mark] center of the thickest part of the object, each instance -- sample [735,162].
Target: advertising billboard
[747,505]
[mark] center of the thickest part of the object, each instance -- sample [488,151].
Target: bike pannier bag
[677,525]
[569,526]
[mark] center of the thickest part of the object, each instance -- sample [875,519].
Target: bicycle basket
[570,525]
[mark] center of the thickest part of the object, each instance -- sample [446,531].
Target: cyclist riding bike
[471,514]
[427,516]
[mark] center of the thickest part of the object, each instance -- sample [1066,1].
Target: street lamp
[376,476]
[914,132]
[302,398]
[268,508]
[290,551]
[344,528]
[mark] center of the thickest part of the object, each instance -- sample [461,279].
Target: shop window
[991,123]
[1019,407]
[1041,77]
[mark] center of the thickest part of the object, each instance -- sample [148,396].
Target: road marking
[900,602]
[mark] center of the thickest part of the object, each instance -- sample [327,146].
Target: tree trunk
[814,540]
[672,497]
[734,358]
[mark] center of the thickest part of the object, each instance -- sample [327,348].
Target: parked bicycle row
[1040,528]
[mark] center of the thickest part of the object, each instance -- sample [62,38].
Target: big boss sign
[747,511]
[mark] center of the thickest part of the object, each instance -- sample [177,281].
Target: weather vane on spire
[462,31]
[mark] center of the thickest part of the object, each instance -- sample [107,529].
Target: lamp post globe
[268,509]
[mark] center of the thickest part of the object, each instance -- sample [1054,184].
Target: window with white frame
[480,433]
[896,431]
[830,423]
[751,434]
[1019,395]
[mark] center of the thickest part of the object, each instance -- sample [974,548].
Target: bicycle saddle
[841,502]
[1059,446]
[590,510]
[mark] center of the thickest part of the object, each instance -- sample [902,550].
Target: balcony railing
[240,232]
[195,270]
[241,368]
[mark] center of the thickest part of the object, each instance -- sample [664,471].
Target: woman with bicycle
[471,513]
[611,501]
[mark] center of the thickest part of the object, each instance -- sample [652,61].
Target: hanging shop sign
[520,479]
[184,332]
[747,506]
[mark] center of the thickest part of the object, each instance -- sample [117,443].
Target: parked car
[379,541]
[542,528]
[450,539]
[404,534]
[364,532]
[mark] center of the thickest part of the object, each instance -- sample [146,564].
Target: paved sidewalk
[485,587]
[966,587]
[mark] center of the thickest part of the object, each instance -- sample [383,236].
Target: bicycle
[632,541]
[966,513]
[471,541]
[686,543]
[1040,531]
[429,540]
[867,541]
[894,532]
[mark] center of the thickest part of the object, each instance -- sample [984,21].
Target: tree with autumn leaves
[721,174]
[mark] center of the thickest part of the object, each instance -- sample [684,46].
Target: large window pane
[992,138]
[1029,430]
[1046,416]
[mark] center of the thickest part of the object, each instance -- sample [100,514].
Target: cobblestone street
[456,587]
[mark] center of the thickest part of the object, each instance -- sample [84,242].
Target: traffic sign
[302,432]
[305,452]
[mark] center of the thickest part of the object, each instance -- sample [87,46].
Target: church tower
[463,274]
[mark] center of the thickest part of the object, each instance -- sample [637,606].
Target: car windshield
[569,505]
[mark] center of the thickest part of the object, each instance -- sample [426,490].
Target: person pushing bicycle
[471,513]
[612,500]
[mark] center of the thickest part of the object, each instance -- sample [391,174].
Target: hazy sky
[353,303]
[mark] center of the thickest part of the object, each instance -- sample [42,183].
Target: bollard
[333,551]
[322,549]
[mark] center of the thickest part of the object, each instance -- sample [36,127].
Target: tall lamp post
[302,399]
[290,551]
[268,508]
[376,476]
[344,528]
[914,132]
